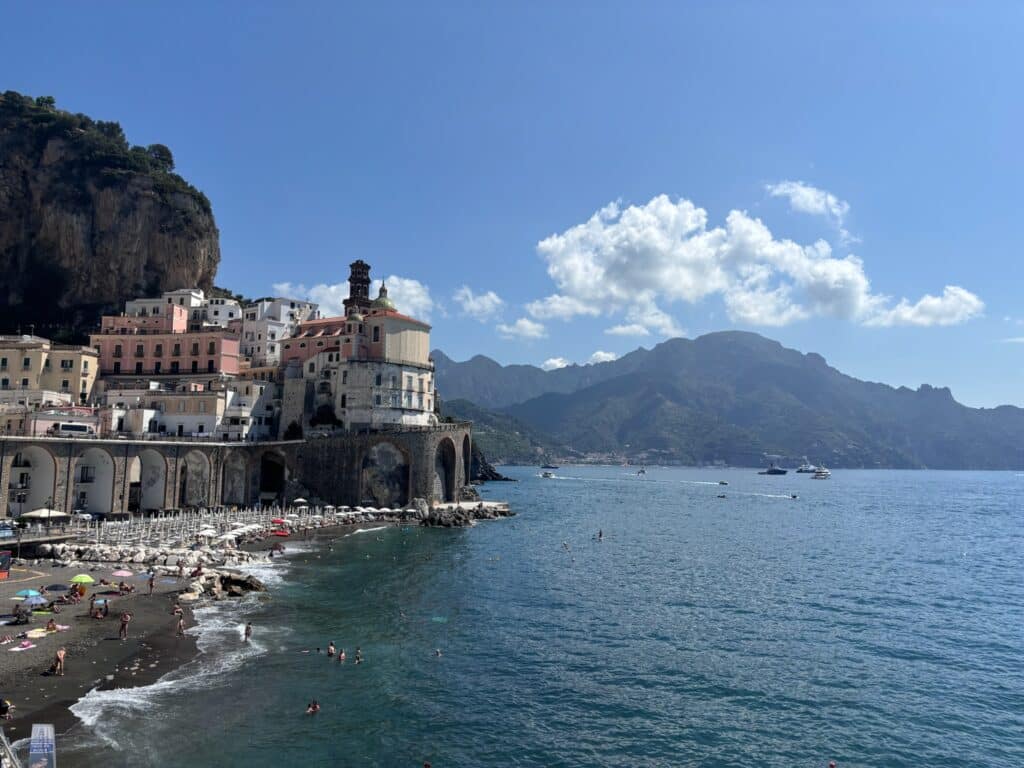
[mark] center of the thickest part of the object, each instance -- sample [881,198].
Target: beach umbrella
[36,600]
[43,514]
[277,520]
[121,574]
[83,578]
[281,533]
[299,500]
[27,593]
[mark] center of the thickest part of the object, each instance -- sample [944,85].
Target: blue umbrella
[37,600]
[27,593]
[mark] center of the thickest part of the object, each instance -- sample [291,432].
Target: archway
[194,480]
[444,470]
[32,481]
[384,476]
[233,482]
[94,482]
[273,477]
[152,480]
[467,459]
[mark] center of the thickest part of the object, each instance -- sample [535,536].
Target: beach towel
[22,647]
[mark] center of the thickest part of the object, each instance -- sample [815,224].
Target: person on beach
[6,710]
[247,635]
[181,570]
[59,661]
[125,618]
[51,626]
[330,648]
[181,625]
[152,582]
[177,610]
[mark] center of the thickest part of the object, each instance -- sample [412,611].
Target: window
[376,399]
[195,366]
[199,429]
[210,367]
[87,474]
[156,366]
[46,363]
[5,383]
[117,367]
[158,350]
[66,365]
[377,380]
[344,377]
[26,362]
[174,366]
[24,383]
[117,350]
[394,381]
[65,385]
[138,368]
[376,333]
[312,367]
[344,400]
[202,406]
[211,348]
[3,362]
[85,365]
[181,406]
[195,349]
[176,352]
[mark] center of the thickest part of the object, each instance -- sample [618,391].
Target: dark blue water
[877,620]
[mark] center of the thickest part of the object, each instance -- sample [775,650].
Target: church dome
[382,301]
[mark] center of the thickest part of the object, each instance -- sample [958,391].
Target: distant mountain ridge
[734,397]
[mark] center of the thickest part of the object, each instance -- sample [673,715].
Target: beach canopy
[121,573]
[43,514]
[27,593]
[83,578]
[299,500]
[36,600]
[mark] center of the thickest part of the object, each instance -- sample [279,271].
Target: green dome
[382,301]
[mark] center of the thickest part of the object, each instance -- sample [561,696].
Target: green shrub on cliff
[103,153]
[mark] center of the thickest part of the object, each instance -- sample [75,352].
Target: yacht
[806,468]
[773,470]
[549,466]
[821,473]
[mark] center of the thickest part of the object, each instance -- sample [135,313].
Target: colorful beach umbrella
[281,533]
[121,574]
[83,578]
[27,593]
[36,600]
[277,520]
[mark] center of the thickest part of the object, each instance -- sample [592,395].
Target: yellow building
[32,363]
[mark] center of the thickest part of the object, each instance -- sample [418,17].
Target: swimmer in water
[600,535]
[359,655]
[437,652]
[341,656]
[330,648]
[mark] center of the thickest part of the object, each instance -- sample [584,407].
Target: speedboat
[773,470]
[641,471]
[821,473]
[549,466]
[806,468]
[722,482]
[548,475]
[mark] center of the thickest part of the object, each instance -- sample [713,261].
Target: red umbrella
[277,520]
[281,533]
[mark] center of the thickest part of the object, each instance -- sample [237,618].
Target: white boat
[547,474]
[821,473]
[806,468]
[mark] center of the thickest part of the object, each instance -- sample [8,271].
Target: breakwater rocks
[77,554]
[464,515]
[221,584]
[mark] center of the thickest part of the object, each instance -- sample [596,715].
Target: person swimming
[600,535]
[330,648]
[341,656]
[359,655]
[313,707]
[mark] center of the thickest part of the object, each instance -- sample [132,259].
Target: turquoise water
[877,620]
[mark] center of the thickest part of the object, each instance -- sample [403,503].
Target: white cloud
[628,329]
[806,198]
[554,363]
[523,328]
[600,356]
[953,307]
[1013,340]
[635,260]
[411,297]
[560,308]
[483,306]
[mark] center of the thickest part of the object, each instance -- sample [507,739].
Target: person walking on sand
[152,582]
[125,618]
[181,625]
[247,635]
[59,661]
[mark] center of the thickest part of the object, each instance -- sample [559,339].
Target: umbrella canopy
[83,578]
[43,514]
[27,593]
[299,500]
[36,600]
[121,573]
[281,533]
[277,520]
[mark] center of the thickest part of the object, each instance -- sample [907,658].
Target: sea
[873,619]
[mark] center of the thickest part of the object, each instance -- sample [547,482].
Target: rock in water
[88,221]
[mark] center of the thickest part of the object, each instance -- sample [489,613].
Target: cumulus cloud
[482,306]
[554,363]
[628,329]
[600,356]
[411,297]
[806,198]
[953,307]
[523,328]
[638,259]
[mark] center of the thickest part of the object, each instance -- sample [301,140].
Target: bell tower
[358,287]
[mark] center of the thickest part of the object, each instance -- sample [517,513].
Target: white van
[73,430]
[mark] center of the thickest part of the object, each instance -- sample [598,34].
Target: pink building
[134,351]
[175,321]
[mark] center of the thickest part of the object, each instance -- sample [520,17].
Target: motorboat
[821,473]
[641,471]
[549,466]
[773,470]
[806,468]
[547,475]
[722,482]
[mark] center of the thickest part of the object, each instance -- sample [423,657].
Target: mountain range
[730,397]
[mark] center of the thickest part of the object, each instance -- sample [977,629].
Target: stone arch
[234,479]
[444,470]
[152,493]
[194,480]
[93,489]
[467,459]
[384,475]
[33,480]
[273,477]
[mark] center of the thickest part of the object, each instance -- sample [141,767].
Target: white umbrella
[44,514]
[299,501]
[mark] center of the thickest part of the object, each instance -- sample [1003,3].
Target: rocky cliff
[87,221]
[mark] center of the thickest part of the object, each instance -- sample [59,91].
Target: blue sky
[844,178]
